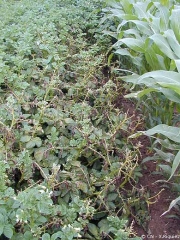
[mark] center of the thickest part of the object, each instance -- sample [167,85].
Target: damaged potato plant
[64,160]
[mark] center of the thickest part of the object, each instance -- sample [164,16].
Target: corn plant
[147,35]
[147,32]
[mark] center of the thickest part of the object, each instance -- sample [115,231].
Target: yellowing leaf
[39,153]
[82,186]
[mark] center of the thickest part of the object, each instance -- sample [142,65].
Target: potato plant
[64,157]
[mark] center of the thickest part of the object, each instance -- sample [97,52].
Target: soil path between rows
[159,227]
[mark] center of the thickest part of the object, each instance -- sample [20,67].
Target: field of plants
[70,158]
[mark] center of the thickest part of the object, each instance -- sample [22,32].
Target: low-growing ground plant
[64,157]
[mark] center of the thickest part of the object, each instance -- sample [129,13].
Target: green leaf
[16,204]
[1,228]
[28,236]
[1,218]
[165,168]
[174,87]
[37,141]
[127,6]
[99,215]
[103,225]
[166,82]
[172,133]
[177,62]
[25,138]
[93,229]
[131,78]
[39,153]
[99,133]
[143,27]
[112,196]
[170,94]
[168,79]
[168,157]
[76,163]
[141,9]
[123,52]
[152,58]
[174,44]
[82,186]
[163,45]
[69,121]
[164,16]
[140,94]
[34,142]
[46,236]
[173,203]
[175,22]
[30,144]
[165,2]
[155,24]
[168,144]
[56,235]
[8,231]
[172,65]
[121,14]
[42,219]
[175,165]
[135,44]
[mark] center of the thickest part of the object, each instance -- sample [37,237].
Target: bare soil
[158,227]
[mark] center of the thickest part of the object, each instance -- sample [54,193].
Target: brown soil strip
[159,227]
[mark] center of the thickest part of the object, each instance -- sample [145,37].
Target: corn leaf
[173,203]
[127,6]
[131,78]
[116,12]
[175,165]
[141,9]
[130,32]
[176,88]
[165,2]
[167,82]
[121,15]
[151,57]
[140,94]
[170,132]
[142,26]
[161,61]
[174,44]
[175,22]
[123,52]
[134,44]
[155,24]
[161,77]
[164,16]
[163,45]
[177,62]
[170,94]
